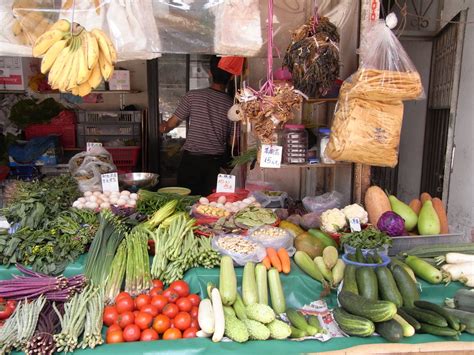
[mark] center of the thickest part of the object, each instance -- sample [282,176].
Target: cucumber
[376,311]
[319,261]
[466,318]
[351,257]
[408,330]
[314,322]
[297,333]
[426,316]
[306,264]
[406,286]
[350,283]
[249,284]
[431,251]
[229,311]
[353,325]
[395,261]
[452,320]
[299,321]
[262,283]
[239,308]
[377,258]
[227,281]
[369,259]
[367,283]
[276,291]
[441,331]
[464,300]
[424,270]
[323,237]
[412,321]
[390,330]
[359,256]
[388,290]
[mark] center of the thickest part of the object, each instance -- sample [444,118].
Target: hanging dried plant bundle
[313,57]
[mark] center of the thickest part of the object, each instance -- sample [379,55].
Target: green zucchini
[350,283]
[441,331]
[466,318]
[463,300]
[434,250]
[376,311]
[306,264]
[299,321]
[262,283]
[367,283]
[314,322]
[377,258]
[387,286]
[406,286]
[229,311]
[424,270]
[239,308]
[390,330]
[408,329]
[276,291]
[249,284]
[413,322]
[395,261]
[323,237]
[369,259]
[452,320]
[227,281]
[297,333]
[353,325]
[359,256]
[426,316]
[321,265]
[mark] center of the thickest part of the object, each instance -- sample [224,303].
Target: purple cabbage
[391,223]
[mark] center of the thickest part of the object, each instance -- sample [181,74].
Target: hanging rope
[268,88]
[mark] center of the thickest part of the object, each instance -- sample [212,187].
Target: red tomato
[155,291]
[171,295]
[181,287]
[182,321]
[194,312]
[170,310]
[172,323]
[6,312]
[125,319]
[122,295]
[159,302]
[158,283]
[195,299]
[143,320]
[114,337]
[142,300]
[110,315]
[190,333]
[136,313]
[131,332]
[150,309]
[125,305]
[113,328]
[149,335]
[172,333]
[184,304]
[161,323]
[11,304]
[194,323]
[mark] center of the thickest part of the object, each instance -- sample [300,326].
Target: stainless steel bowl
[135,181]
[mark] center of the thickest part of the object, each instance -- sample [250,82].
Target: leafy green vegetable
[29,111]
[368,238]
[150,202]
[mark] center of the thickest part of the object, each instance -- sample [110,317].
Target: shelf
[54,92]
[321,100]
[12,91]
[314,166]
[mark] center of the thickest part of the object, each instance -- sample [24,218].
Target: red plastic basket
[66,133]
[124,157]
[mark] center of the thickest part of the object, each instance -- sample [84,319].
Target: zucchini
[323,237]
[441,331]
[297,333]
[306,264]
[408,329]
[229,311]
[262,283]
[406,286]
[350,283]
[377,258]
[239,308]
[390,330]
[376,311]
[463,300]
[314,322]
[367,283]
[413,322]
[299,321]
[466,318]
[426,316]
[276,291]
[227,281]
[369,259]
[434,250]
[359,256]
[387,286]
[395,261]
[424,270]
[452,320]
[249,284]
[320,264]
[353,325]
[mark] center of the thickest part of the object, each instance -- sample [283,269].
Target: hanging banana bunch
[77,60]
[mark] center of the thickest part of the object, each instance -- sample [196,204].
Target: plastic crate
[109,117]
[124,157]
[87,132]
[66,133]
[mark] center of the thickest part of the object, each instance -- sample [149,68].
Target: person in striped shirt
[209,131]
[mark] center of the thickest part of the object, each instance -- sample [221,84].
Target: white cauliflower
[356,211]
[333,220]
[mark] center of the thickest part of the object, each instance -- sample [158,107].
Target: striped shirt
[209,128]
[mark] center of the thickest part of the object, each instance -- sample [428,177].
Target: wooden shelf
[54,92]
[321,100]
[314,166]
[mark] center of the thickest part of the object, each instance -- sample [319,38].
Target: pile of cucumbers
[369,258]
[386,300]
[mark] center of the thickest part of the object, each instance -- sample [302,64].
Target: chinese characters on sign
[225,183]
[271,156]
[355,224]
[110,182]
[91,145]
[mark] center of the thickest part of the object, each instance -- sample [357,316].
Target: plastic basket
[66,133]
[109,117]
[124,157]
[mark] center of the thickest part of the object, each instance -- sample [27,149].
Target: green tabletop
[299,289]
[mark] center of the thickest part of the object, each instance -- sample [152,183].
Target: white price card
[110,182]
[91,145]
[225,183]
[271,156]
[355,224]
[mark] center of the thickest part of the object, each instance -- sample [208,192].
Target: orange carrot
[415,205]
[266,261]
[441,212]
[272,254]
[425,196]
[285,260]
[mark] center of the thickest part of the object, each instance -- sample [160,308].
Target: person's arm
[169,125]
[182,113]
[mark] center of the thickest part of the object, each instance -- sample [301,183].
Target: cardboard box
[15,72]
[120,80]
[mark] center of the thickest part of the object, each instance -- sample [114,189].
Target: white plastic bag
[327,201]
[258,235]
[256,255]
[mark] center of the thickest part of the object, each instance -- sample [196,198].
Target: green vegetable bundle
[368,238]
[149,202]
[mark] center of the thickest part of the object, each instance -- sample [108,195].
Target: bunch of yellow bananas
[76,60]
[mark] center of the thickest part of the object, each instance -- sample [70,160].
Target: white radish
[456,271]
[206,316]
[458,258]
[468,280]
[219,322]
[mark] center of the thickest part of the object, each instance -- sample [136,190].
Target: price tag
[271,156]
[110,182]
[225,183]
[91,145]
[355,224]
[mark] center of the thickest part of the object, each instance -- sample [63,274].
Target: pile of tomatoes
[6,309]
[162,313]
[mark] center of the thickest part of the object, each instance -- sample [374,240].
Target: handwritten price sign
[225,183]
[110,182]
[271,156]
[91,145]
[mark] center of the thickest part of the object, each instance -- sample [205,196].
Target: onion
[125,192]
[75,203]
[81,200]
[134,196]
[113,200]
[107,193]
[97,193]
[132,203]
[105,205]
[87,193]
[203,201]
[121,202]
[221,200]
[92,198]
[80,206]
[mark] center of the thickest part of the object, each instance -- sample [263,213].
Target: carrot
[266,261]
[425,196]
[415,205]
[285,260]
[272,254]
[441,212]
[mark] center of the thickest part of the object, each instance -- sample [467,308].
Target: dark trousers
[199,172]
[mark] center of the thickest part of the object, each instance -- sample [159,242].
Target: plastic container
[382,251]
[294,140]
[262,236]
[254,185]
[323,142]
[102,117]
[385,261]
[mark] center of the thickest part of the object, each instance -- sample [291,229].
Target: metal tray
[401,244]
